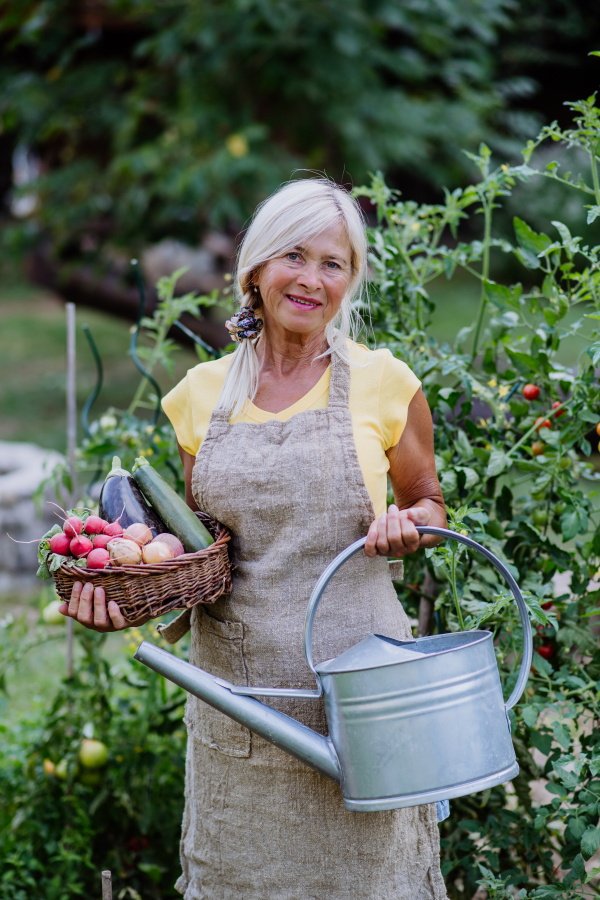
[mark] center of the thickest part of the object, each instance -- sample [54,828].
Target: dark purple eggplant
[122,499]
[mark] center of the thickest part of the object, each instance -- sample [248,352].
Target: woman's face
[302,290]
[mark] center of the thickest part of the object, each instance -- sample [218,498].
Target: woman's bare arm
[188,467]
[417,491]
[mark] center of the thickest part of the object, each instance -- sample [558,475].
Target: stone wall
[22,468]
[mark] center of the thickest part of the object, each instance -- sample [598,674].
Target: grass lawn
[32,364]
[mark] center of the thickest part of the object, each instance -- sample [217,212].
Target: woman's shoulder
[190,403]
[209,374]
[379,365]
[382,387]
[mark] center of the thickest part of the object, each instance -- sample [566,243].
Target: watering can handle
[341,558]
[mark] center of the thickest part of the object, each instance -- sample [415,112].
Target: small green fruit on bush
[61,770]
[93,754]
[51,615]
[540,516]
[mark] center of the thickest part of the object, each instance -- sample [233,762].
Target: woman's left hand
[394,533]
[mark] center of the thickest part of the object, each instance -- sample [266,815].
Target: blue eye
[333,264]
[294,255]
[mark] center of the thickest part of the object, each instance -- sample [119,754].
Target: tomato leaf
[590,842]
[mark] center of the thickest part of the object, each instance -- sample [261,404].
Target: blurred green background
[136,128]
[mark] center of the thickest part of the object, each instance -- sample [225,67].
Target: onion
[171,541]
[139,533]
[156,552]
[124,552]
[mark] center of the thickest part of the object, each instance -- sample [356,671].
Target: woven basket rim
[142,570]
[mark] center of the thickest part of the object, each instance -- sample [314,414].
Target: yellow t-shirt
[381,388]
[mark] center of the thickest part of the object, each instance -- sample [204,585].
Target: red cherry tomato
[537,448]
[531,392]
[541,422]
[547,604]
[546,651]
[561,412]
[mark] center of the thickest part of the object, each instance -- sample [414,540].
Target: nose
[309,276]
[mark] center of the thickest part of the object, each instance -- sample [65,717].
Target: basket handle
[342,557]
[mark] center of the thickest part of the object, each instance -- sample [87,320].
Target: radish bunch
[88,541]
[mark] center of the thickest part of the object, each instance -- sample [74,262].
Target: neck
[283,353]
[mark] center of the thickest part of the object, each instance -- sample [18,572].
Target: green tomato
[565,462]
[51,615]
[560,507]
[93,754]
[539,495]
[62,770]
[540,516]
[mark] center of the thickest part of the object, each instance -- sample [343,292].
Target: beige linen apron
[259,825]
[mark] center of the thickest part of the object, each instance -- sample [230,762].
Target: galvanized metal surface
[345,555]
[274,726]
[433,723]
[410,722]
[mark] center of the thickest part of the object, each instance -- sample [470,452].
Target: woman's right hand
[88,606]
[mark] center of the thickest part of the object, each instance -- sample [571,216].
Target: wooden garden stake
[107,885]
[71,442]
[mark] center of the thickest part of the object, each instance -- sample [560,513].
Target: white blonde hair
[295,214]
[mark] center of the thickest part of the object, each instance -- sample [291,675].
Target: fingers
[118,621]
[420,515]
[394,533]
[85,613]
[74,601]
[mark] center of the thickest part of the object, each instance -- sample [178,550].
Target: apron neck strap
[339,384]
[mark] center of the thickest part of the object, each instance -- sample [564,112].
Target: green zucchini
[175,513]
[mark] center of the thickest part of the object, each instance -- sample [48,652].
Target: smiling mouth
[303,302]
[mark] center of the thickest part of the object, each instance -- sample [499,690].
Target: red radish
[59,543]
[94,525]
[73,526]
[98,559]
[101,541]
[113,529]
[171,541]
[139,533]
[81,546]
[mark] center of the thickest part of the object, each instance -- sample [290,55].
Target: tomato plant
[530,498]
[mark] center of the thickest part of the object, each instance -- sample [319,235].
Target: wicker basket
[155,589]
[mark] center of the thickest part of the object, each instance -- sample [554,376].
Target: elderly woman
[289,442]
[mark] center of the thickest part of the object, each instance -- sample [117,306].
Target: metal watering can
[410,722]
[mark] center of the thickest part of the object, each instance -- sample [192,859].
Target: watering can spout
[274,726]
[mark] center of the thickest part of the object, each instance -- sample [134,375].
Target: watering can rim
[341,558]
[482,635]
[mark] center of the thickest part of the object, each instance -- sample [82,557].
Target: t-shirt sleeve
[177,405]
[399,384]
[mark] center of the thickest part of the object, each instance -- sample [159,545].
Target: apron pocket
[217,647]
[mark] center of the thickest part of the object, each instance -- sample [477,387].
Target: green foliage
[534,509]
[60,826]
[156,119]
[516,474]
